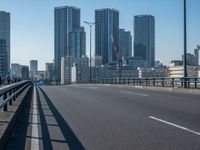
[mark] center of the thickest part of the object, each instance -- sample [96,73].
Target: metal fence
[10,92]
[162,82]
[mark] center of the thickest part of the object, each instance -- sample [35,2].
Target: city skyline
[169,26]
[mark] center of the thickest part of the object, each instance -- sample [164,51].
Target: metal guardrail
[11,92]
[162,82]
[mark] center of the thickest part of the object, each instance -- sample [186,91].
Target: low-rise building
[178,71]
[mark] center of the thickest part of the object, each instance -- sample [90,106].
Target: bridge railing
[162,82]
[10,92]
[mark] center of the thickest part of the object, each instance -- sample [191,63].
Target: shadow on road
[69,137]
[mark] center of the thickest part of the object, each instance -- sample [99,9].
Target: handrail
[155,81]
[10,92]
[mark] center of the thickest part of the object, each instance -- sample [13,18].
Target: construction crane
[117,54]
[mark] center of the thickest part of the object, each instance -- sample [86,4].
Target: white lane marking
[138,87]
[92,87]
[175,125]
[139,94]
[35,131]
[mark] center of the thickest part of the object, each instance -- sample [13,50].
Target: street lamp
[185,47]
[90,25]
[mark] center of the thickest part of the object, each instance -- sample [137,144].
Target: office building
[33,68]
[66,67]
[3,58]
[178,71]
[4,42]
[25,72]
[144,38]
[125,43]
[77,40]
[107,34]
[15,71]
[66,20]
[49,71]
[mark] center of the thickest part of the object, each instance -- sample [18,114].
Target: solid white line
[35,131]
[175,125]
[139,94]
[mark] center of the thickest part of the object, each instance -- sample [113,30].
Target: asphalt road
[96,117]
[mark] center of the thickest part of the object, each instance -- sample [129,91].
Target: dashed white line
[92,87]
[35,131]
[139,94]
[175,125]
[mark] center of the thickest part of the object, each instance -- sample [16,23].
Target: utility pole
[90,25]
[185,47]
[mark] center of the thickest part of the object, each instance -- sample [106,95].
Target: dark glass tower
[107,34]
[4,42]
[125,43]
[144,39]
[66,20]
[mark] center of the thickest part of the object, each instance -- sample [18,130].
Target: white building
[66,67]
[178,71]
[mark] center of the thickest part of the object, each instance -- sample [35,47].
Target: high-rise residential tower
[125,43]
[107,34]
[4,42]
[66,20]
[144,38]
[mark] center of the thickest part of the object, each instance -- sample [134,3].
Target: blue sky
[32,25]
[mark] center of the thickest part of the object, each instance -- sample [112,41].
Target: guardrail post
[17,93]
[188,81]
[10,93]
[163,82]
[14,95]
[181,82]
[195,83]
[5,107]
[172,82]
[146,80]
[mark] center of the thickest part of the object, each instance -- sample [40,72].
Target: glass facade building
[107,34]
[144,38]
[66,20]
[77,40]
[125,43]
[4,42]
[33,68]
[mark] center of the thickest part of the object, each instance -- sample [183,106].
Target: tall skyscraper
[144,38]
[107,34]
[66,20]
[33,68]
[3,58]
[77,40]
[4,42]
[125,43]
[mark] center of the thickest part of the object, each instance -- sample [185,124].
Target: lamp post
[185,47]
[90,25]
